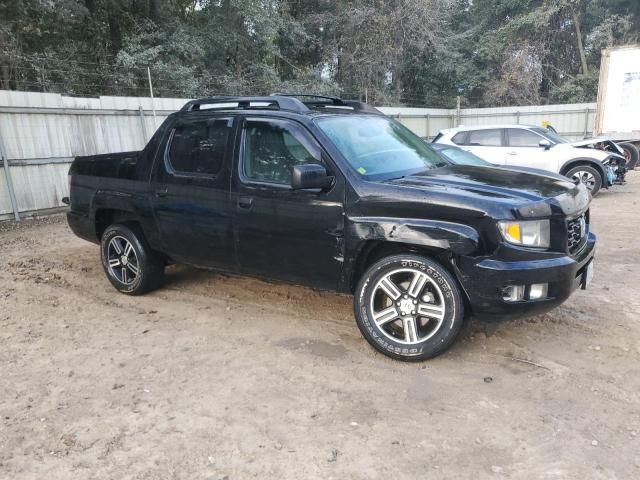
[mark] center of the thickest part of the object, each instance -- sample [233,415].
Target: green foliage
[578,89]
[412,52]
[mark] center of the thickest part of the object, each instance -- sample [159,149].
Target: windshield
[379,148]
[462,157]
[554,137]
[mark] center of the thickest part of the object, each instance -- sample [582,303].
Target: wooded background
[402,52]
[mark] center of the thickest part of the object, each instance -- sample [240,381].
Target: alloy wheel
[584,177]
[407,306]
[123,261]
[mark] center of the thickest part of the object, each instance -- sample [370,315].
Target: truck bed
[121,165]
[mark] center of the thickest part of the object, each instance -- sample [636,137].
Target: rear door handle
[512,153]
[162,192]
[245,203]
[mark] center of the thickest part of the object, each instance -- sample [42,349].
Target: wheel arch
[110,207]
[590,162]
[104,217]
[441,241]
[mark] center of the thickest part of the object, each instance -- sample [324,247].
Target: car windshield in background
[380,148]
[554,137]
[462,157]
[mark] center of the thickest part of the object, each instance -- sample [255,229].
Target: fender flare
[437,235]
[124,203]
[112,200]
[447,236]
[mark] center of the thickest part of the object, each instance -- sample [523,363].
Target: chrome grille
[576,232]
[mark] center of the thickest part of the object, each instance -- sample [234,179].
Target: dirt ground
[220,377]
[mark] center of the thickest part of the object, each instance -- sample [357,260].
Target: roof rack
[272,102]
[324,101]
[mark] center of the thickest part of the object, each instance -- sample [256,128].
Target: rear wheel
[408,307]
[588,176]
[631,154]
[130,264]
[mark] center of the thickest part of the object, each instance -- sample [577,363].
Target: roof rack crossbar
[361,106]
[328,102]
[281,103]
[309,95]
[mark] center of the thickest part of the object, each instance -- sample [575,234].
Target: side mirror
[310,175]
[544,143]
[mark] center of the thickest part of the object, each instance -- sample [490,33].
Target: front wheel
[408,307]
[588,176]
[130,264]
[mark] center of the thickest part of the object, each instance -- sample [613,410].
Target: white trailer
[618,107]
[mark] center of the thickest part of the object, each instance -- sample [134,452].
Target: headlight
[533,233]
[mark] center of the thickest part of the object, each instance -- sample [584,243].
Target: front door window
[273,148]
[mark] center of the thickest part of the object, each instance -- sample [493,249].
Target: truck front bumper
[485,279]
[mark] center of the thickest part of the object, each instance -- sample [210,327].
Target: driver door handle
[245,203]
[162,192]
[512,153]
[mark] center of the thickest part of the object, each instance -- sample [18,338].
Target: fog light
[513,293]
[538,291]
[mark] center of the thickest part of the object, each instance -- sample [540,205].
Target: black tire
[631,154]
[574,174]
[387,338]
[148,264]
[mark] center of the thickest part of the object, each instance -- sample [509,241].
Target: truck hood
[500,184]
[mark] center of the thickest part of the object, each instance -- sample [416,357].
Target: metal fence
[41,133]
[574,121]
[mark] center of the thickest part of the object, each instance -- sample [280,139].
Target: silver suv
[535,147]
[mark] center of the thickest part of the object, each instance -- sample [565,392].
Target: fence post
[458,111]
[428,129]
[153,104]
[517,118]
[144,127]
[586,122]
[7,176]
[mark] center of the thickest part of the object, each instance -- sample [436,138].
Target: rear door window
[490,137]
[198,147]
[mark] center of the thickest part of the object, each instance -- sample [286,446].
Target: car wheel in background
[631,154]
[588,176]
[130,264]
[409,307]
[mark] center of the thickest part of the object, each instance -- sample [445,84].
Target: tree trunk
[115,32]
[5,77]
[154,10]
[339,66]
[583,57]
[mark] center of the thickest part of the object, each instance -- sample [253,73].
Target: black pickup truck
[332,194]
